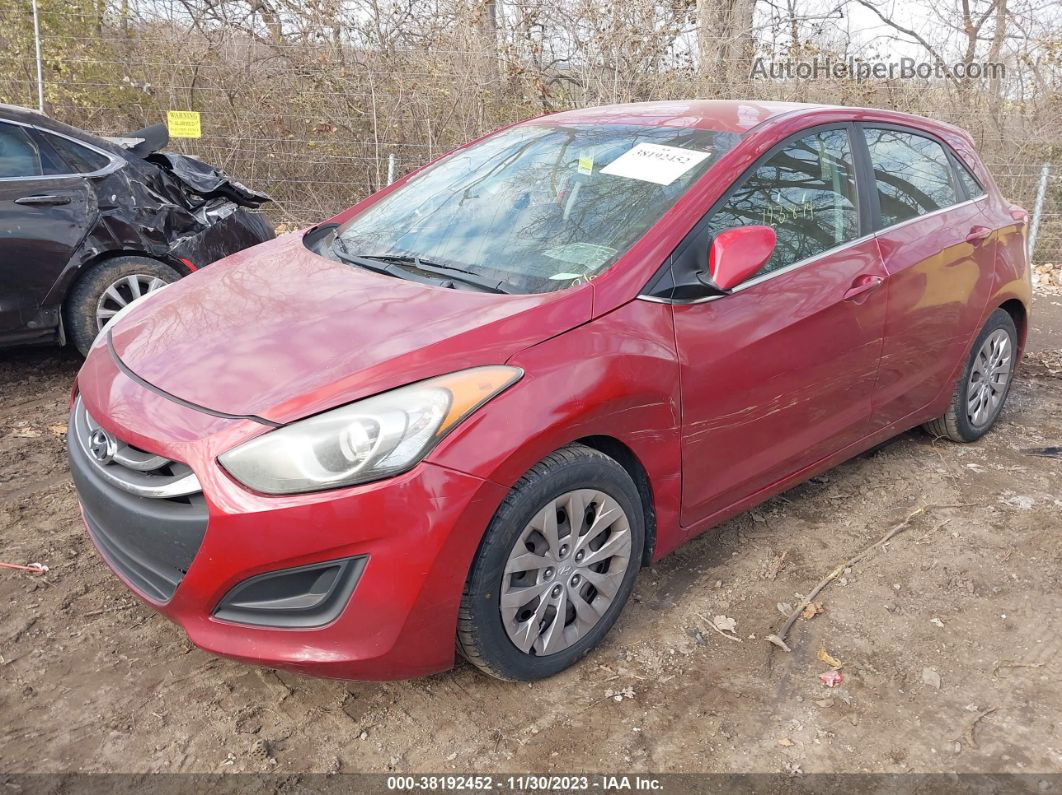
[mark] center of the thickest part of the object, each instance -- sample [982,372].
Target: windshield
[538,207]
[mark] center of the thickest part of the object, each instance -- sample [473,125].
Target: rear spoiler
[144,142]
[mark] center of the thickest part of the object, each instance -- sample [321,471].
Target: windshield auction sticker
[654,163]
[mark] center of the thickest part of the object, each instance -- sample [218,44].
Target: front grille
[127,467]
[146,513]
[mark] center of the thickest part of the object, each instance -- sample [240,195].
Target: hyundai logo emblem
[102,446]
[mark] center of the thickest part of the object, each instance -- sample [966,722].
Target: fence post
[390,168]
[1038,210]
[40,69]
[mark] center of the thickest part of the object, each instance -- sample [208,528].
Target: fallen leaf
[784,608]
[831,678]
[785,742]
[58,430]
[931,678]
[725,624]
[829,659]
[811,611]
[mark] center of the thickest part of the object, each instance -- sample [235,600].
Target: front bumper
[417,534]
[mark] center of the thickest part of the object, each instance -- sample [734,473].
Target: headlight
[366,440]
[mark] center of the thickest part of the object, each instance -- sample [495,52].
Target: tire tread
[468,640]
[79,314]
[949,425]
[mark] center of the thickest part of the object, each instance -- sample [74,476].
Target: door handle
[862,285]
[977,234]
[43,200]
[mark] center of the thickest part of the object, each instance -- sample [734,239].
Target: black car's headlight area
[366,440]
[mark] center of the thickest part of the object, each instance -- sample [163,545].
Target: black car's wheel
[555,567]
[984,384]
[107,288]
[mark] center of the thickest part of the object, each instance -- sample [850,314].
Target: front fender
[616,376]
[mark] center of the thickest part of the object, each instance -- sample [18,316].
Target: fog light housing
[301,598]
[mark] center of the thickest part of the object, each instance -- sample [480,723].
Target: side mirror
[738,253]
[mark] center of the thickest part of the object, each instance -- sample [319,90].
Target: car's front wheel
[555,567]
[984,384]
[108,288]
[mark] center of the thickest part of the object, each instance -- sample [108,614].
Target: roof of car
[726,115]
[715,114]
[19,113]
[43,121]
[38,119]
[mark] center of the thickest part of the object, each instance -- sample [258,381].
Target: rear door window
[806,191]
[912,173]
[19,155]
[968,180]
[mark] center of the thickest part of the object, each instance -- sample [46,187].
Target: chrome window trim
[114,162]
[907,221]
[808,260]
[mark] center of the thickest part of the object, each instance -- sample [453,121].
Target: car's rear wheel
[984,384]
[555,567]
[108,288]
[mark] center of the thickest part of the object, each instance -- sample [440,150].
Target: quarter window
[806,192]
[79,159]
[912,174]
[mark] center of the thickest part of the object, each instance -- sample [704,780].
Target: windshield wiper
[467,276]
[393,266]
[375,264]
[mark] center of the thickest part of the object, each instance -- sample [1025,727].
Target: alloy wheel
[122,293]
[564,571]
[989,378]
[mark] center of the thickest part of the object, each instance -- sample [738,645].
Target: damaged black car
[88,224]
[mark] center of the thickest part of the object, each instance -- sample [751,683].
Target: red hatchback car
[463,413]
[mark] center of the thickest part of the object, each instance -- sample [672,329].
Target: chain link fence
[320,109]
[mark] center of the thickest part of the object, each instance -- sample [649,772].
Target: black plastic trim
[304,597]
[150,542]
[316,235]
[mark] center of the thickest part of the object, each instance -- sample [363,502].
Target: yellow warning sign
[183,124]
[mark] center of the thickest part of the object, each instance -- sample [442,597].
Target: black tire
[481,634]
[79,310]
[956,424]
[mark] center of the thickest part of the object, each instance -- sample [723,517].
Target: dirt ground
[949,637]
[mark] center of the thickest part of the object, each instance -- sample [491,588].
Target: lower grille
[151,541]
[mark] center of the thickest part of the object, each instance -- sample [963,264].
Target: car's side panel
[615,377]
[937,289]
[42,222]
[776,376]
[1013,277]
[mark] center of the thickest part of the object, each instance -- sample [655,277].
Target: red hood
[279,332]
